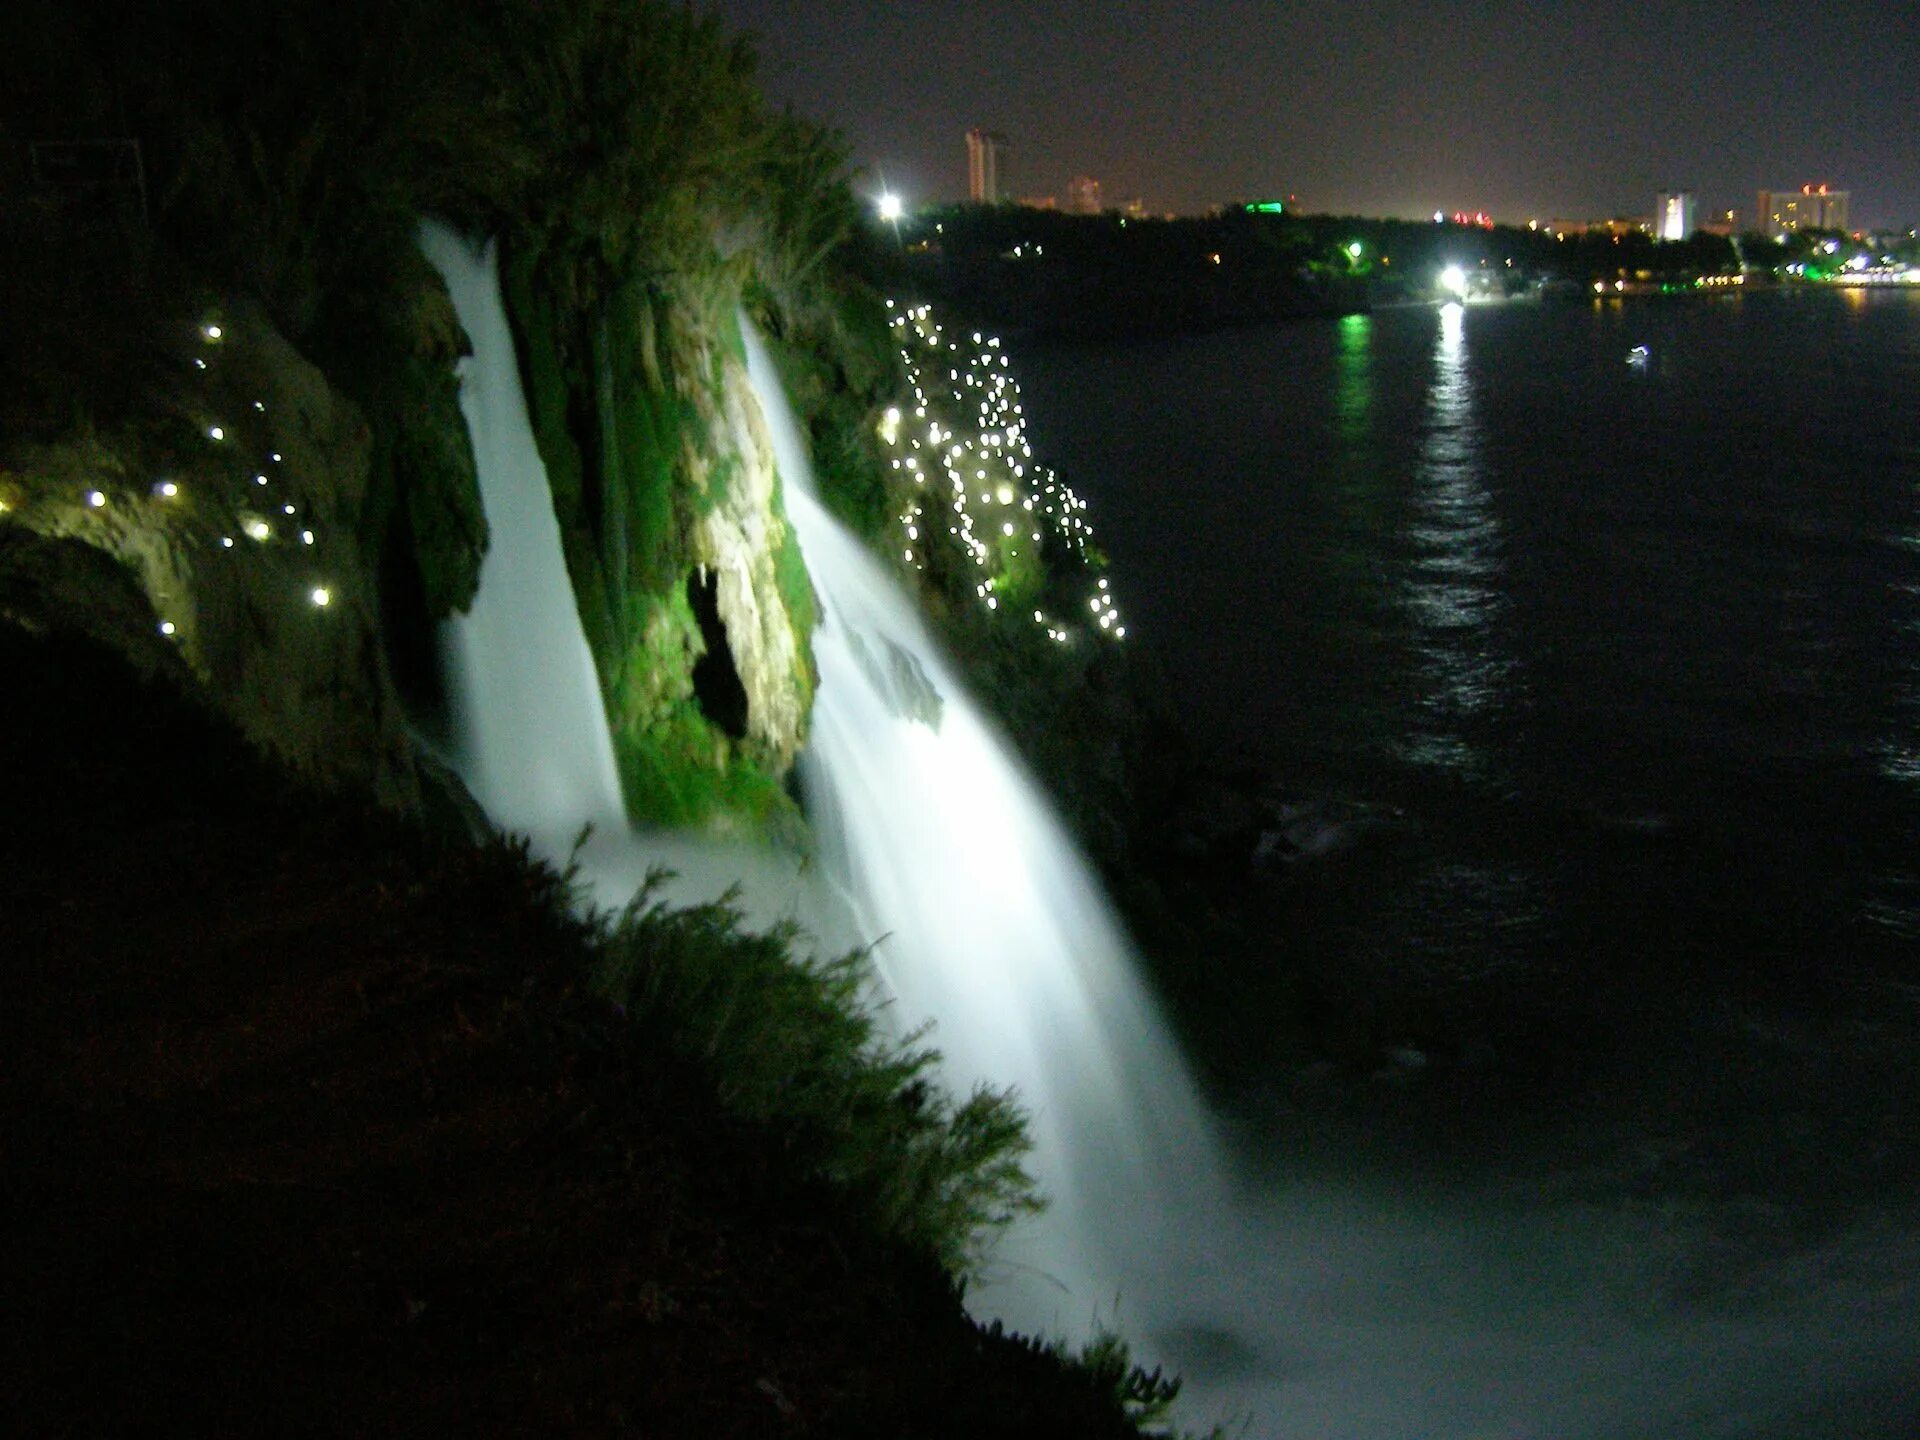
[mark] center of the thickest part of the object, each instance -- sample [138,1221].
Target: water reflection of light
[1899,749]
[1452,592]
[1892,905]
[1353,393]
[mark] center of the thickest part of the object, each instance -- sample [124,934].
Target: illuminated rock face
[688,581]
[738,543]
[229,500]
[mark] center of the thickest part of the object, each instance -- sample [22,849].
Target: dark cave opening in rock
[716,683]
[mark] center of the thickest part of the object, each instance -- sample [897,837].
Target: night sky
[1543,109]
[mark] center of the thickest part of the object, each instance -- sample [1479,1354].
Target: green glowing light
[1353,250]
[1267,207]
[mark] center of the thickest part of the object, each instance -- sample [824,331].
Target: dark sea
[1602,668]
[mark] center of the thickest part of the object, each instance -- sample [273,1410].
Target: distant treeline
[1041,270]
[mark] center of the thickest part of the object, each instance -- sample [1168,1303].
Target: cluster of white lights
[255,526]
[965,442]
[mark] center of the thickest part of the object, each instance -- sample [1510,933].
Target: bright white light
[212,332]
[259,530]
[96,499]
[1454,280]
[321,596]
[891,208]
[166,489]
[166,627]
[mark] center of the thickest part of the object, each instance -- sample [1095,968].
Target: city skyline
[1524,111]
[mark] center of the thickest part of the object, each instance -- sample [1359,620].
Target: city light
[1453,279]
[890,208]
[1353,250]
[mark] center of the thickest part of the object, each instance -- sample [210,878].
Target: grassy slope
[313,1125]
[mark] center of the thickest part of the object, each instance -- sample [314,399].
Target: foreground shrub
[791,1043]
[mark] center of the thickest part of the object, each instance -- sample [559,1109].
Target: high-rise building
[1083,195]
[1673,215]
[984,149]
[1811,207]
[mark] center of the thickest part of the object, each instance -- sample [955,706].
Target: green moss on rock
[638,399]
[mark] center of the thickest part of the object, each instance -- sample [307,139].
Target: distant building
[984,149]
[1674,216]
[1083,195]
[1040,202]
[1781,212]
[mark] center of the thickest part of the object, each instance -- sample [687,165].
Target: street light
[890,209]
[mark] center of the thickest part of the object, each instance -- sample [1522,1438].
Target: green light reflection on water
[1353,379]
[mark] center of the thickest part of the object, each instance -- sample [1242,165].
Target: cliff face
[690,584]
[639,186]
[287,556]
[227,501]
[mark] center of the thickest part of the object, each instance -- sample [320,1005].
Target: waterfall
[531,738]
[934,845]
[992,925]
[530,729]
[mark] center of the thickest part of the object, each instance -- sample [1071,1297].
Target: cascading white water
[530,727]
[994,927]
